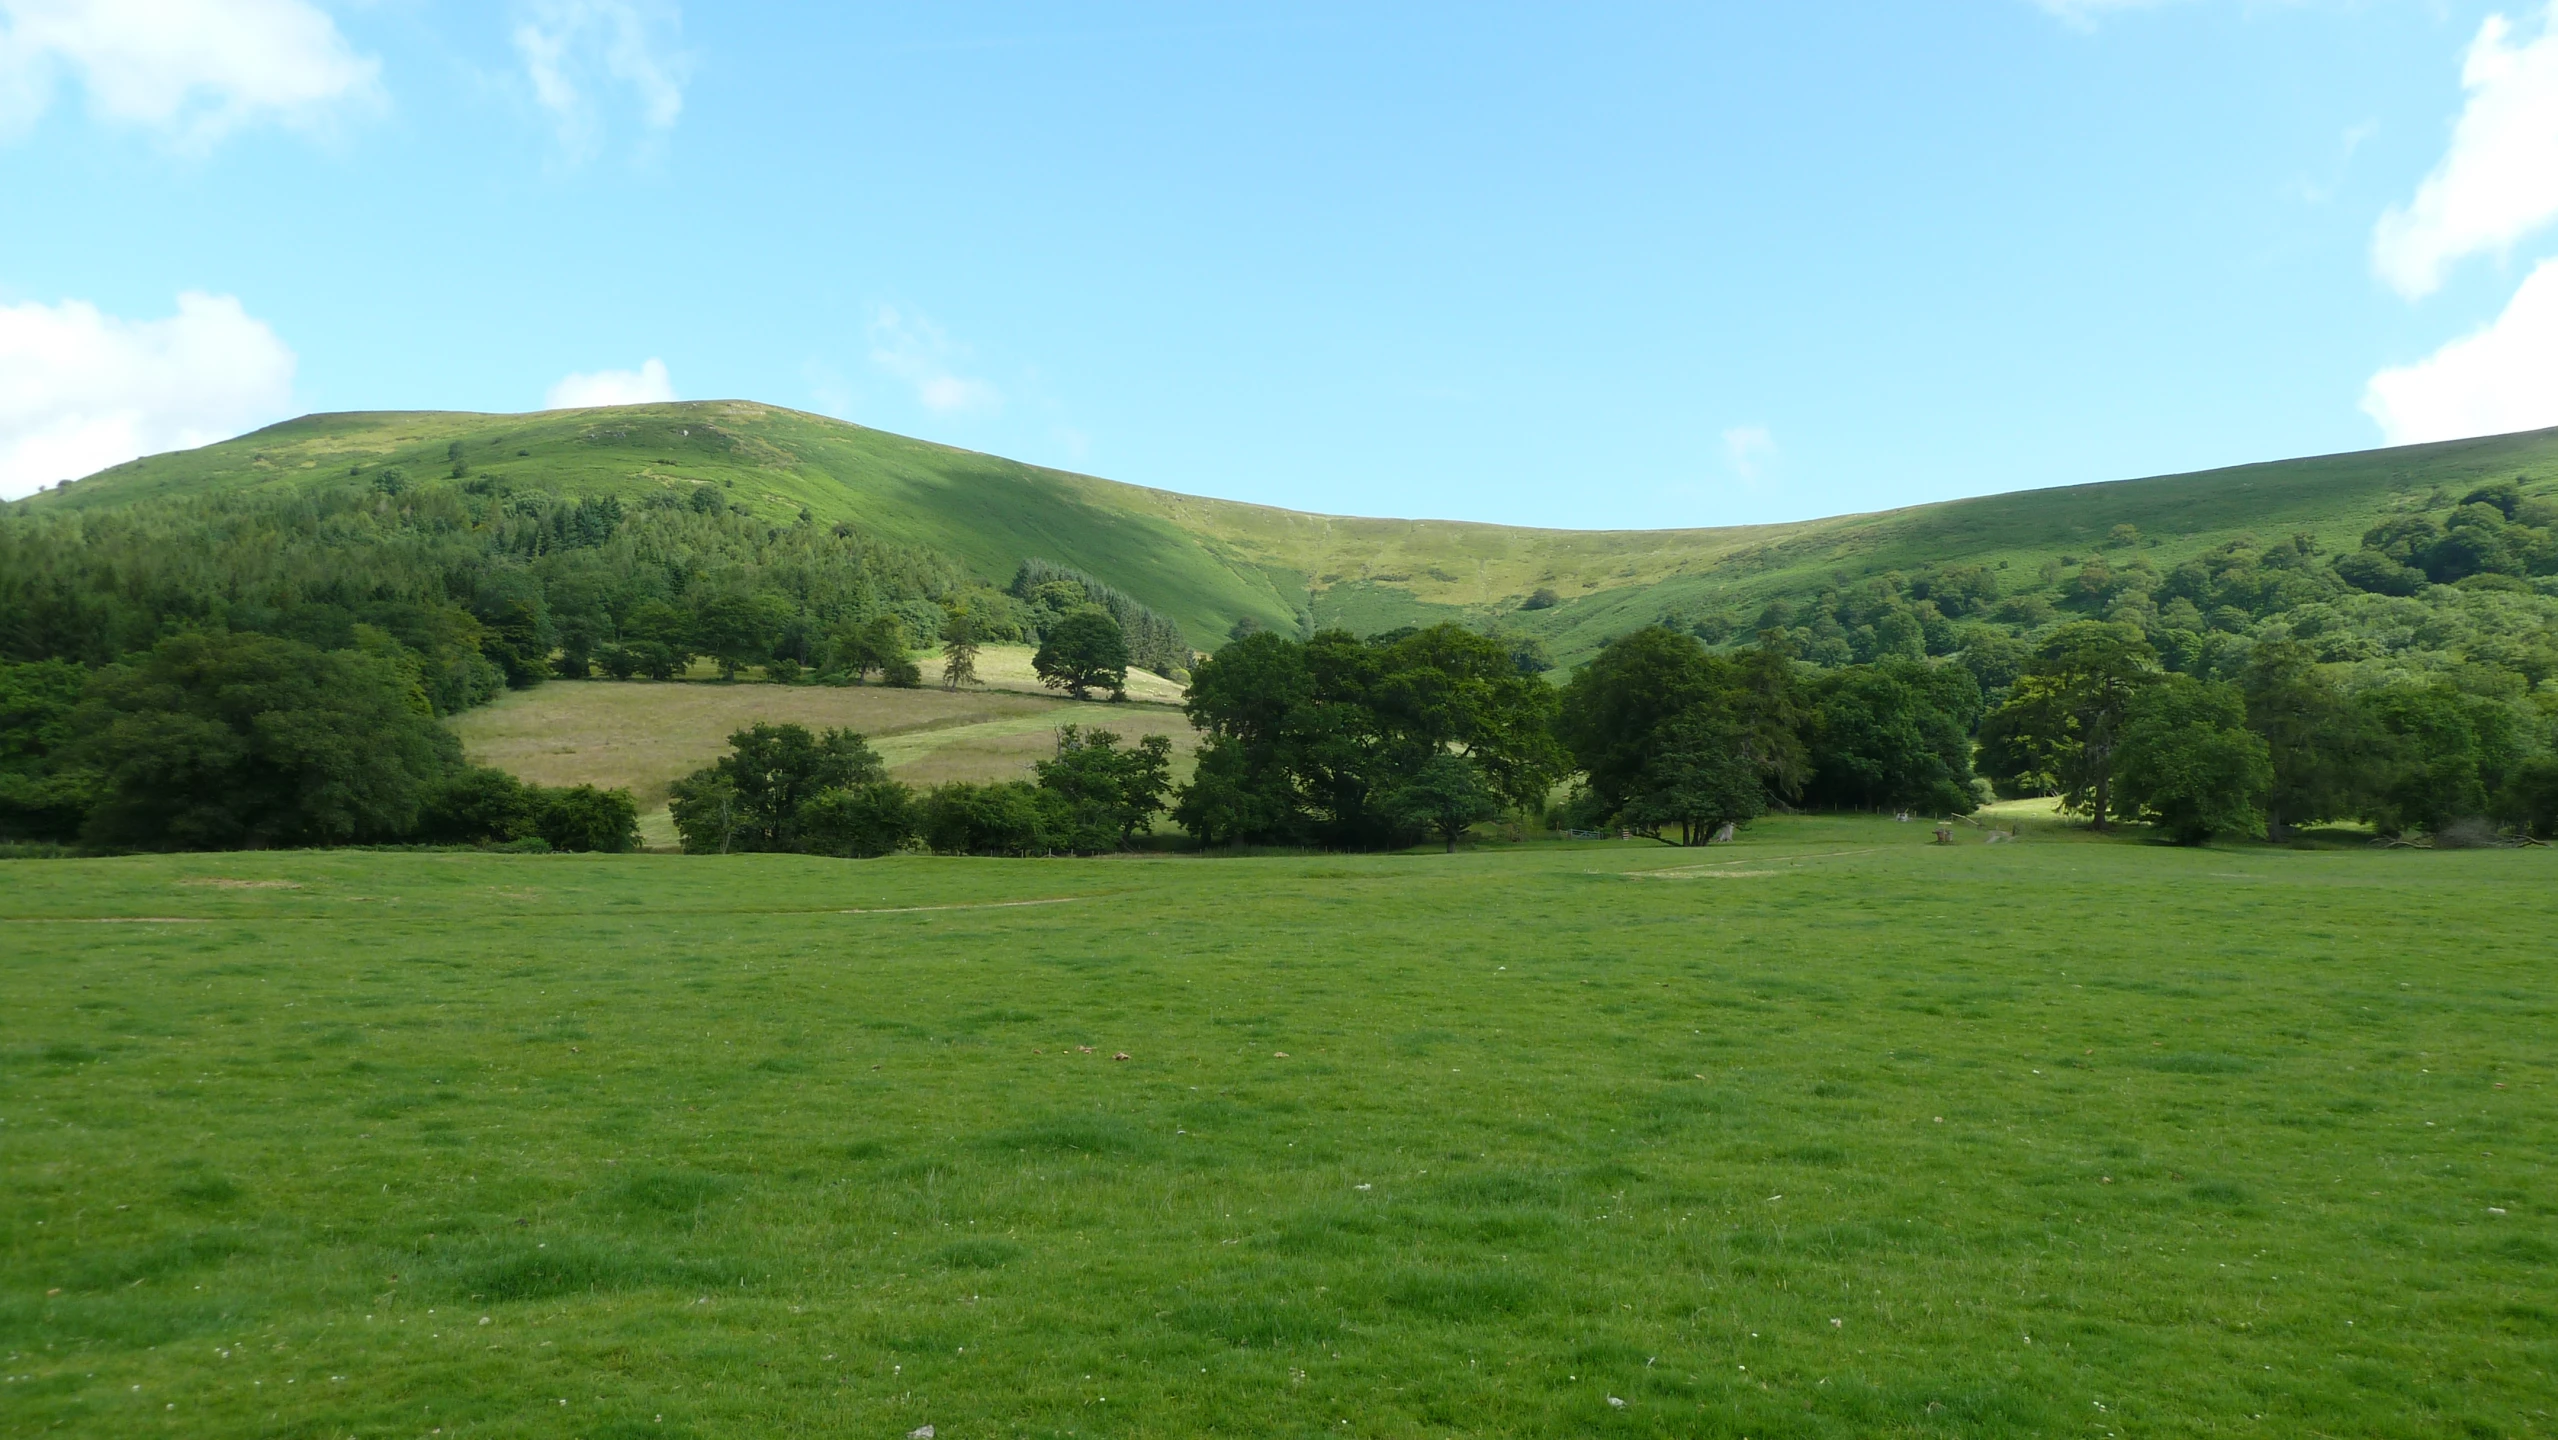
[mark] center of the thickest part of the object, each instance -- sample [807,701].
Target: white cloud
[2499,180]
[80,390]
[2501,379]
[196,69]
[573,49]
[1748,449]
[916,351]
[647,385]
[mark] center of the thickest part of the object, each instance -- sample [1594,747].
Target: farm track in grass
[1893,1139]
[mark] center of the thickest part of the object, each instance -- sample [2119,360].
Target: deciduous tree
[2186,760]
[1084,651]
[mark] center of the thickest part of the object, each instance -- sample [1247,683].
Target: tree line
[786,788]
[2098,721]
[218,740]
[2444,584]
[483,586]
[1670,734]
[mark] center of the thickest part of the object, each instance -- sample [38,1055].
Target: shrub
[998,819]
[858,821]
[476,806]
[582,817]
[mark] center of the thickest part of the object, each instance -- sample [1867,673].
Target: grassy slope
[643,737]
[1841,1135]
[1209,562]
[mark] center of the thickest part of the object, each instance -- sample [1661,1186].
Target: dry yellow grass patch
[1006,749]
[1007,667]
[644,737]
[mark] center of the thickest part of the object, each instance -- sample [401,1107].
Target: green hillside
[1209,563]
[989,513]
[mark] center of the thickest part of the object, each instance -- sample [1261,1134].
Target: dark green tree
[576,660]
[660,638]
[1618,711]
[998,819]
[736,630]
[1082,652]
[517,636]
[1616,704]
[1701,777]
[751,798]
[2064,716]
[213,741]
[859,821]
[1304,741]
[878,643]
[704,808]
[1246,699]
[959,646]
[1235,795]
[1443,794]
[1528,653]
[1894,736]
[1103,795]
[2321,748]
[44,793]
[478,805]
[2186,761]
[582,817]
[1447,688]
[2531,798]
[2441,756]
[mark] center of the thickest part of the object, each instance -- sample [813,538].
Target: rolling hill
[1211,563]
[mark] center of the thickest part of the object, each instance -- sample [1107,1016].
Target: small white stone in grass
[2495,1209]
[484,1319]
[1615,1403]
[920,1432]
[1837,1324]
[1360,1187]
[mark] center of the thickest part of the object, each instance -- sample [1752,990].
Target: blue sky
[1611,265]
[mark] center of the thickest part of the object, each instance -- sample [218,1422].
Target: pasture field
[644,737]
[1831,1132]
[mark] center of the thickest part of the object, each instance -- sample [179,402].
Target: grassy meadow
[643,736]
[1832,1132]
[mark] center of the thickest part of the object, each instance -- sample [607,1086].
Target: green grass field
[1829,1133]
